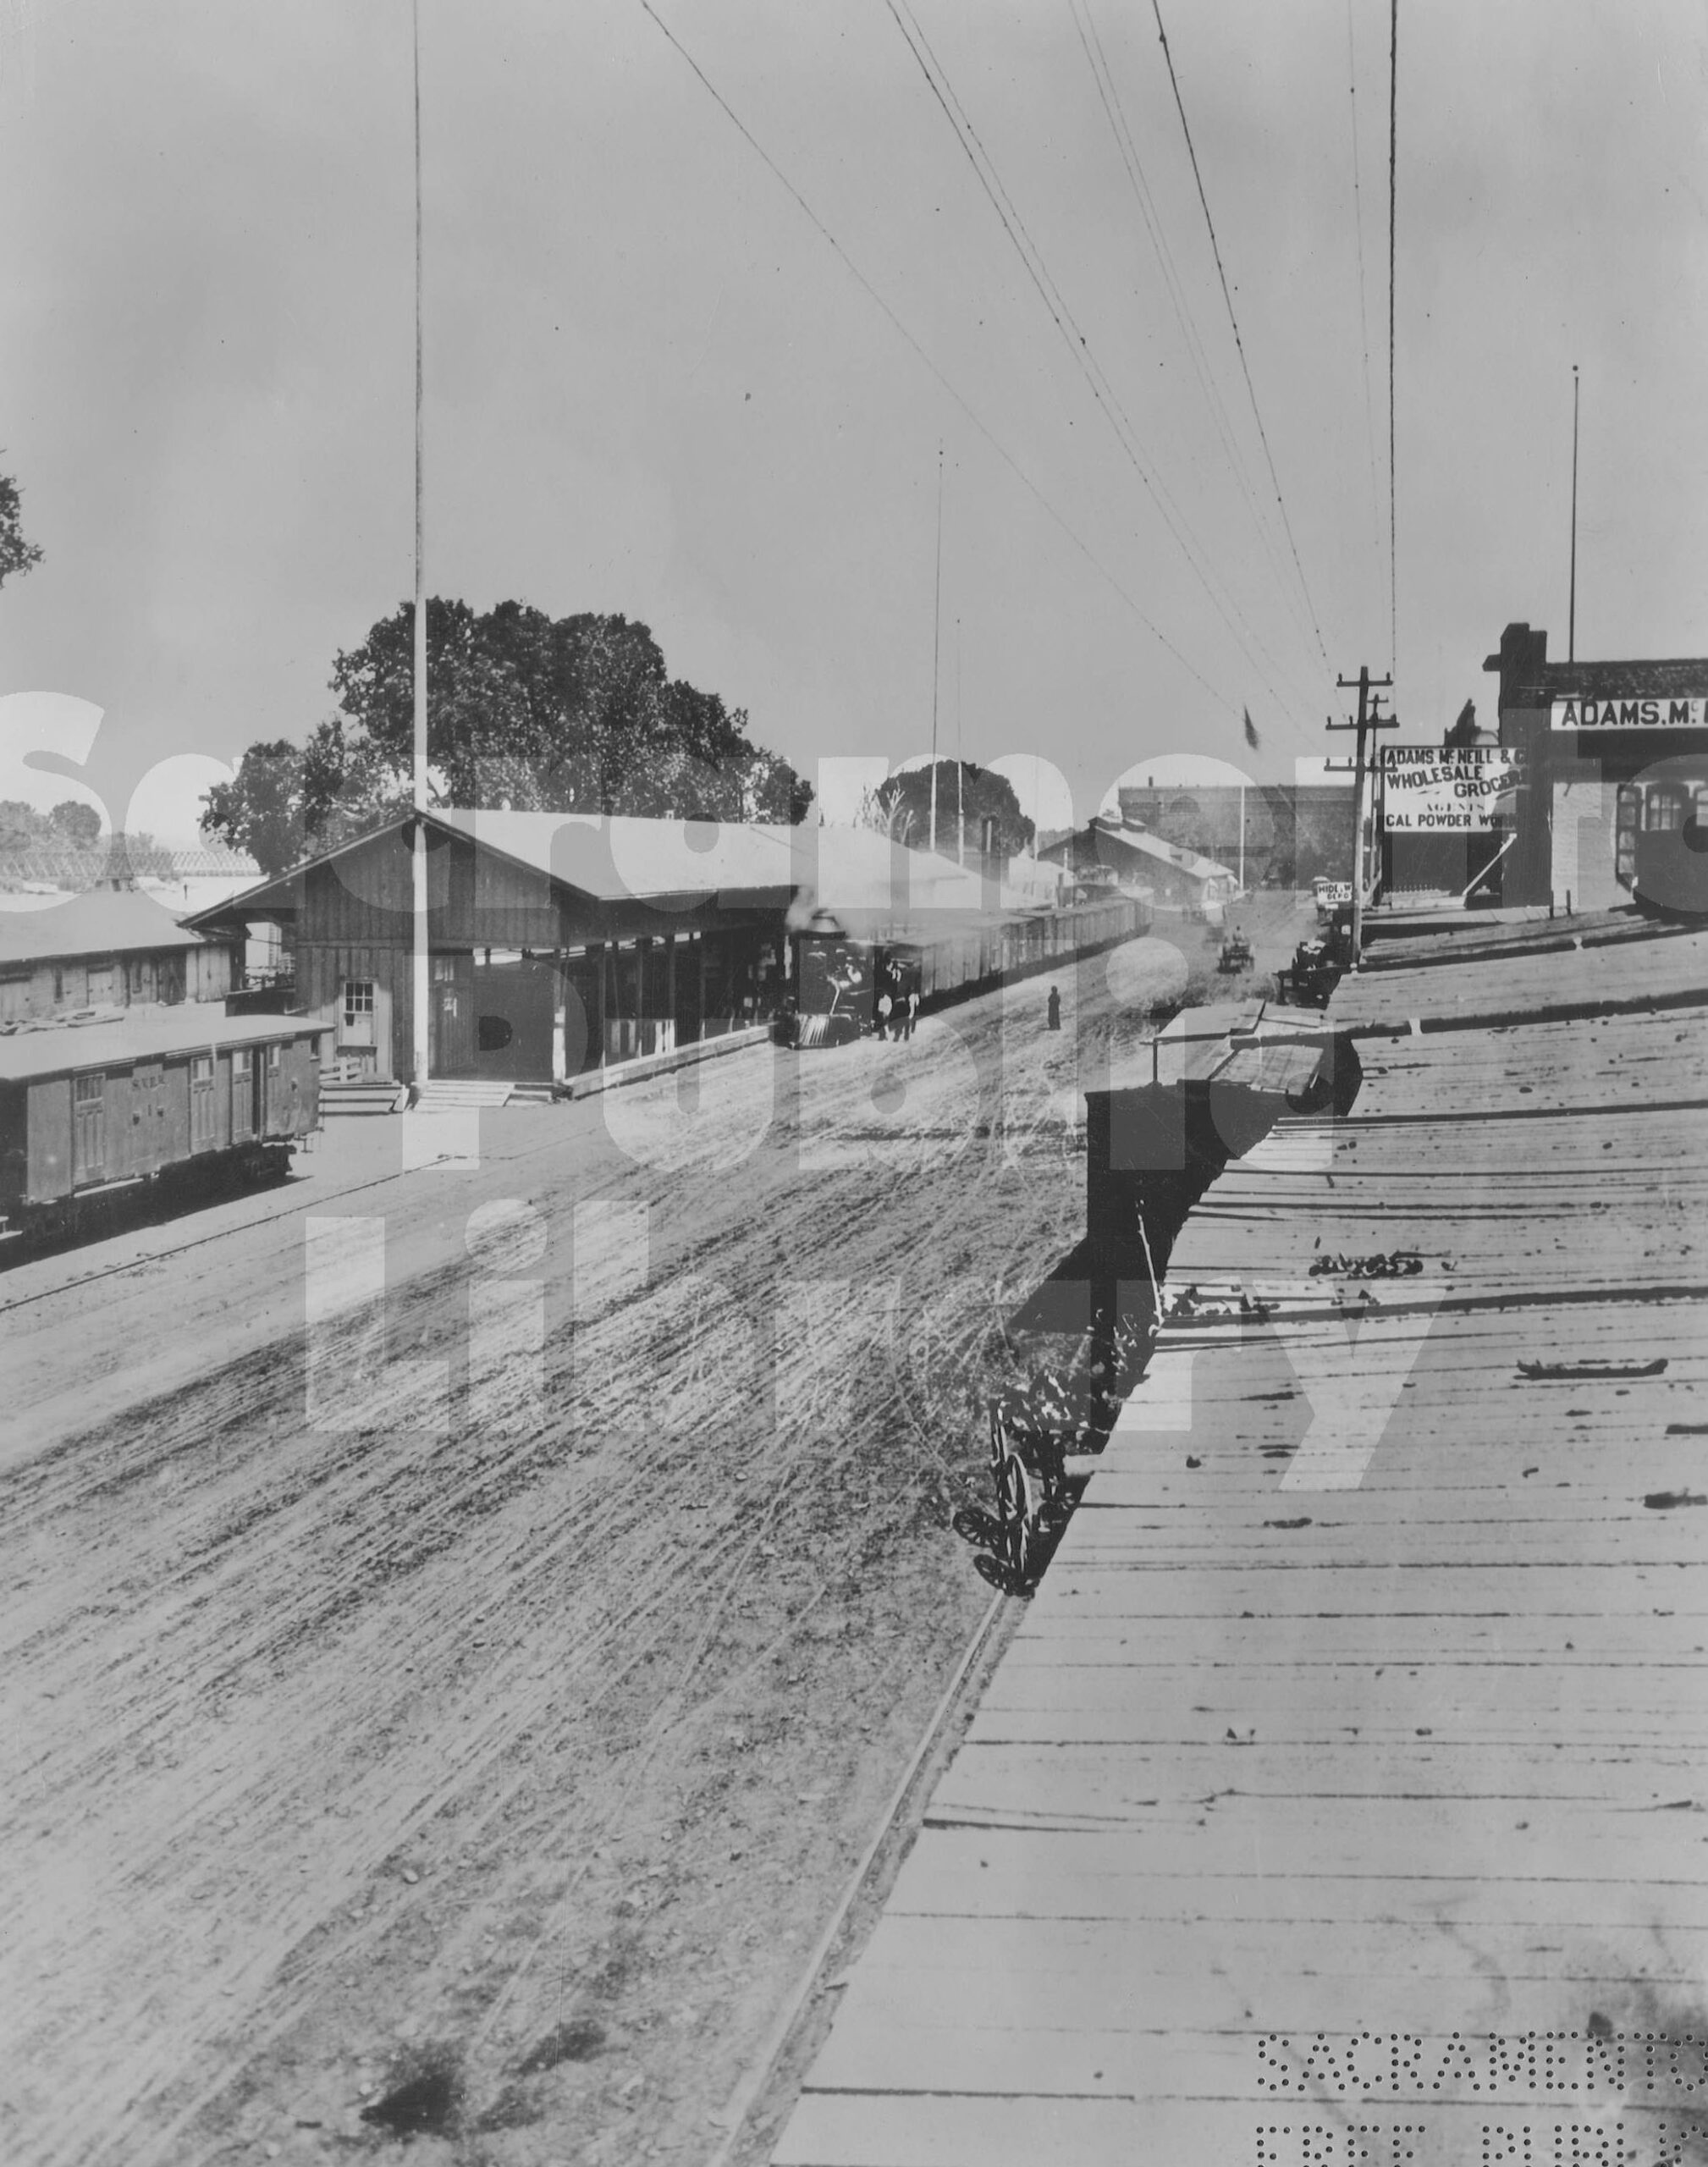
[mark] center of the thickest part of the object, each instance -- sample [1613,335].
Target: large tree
[75,823]
[16,554]
[902,806]
[549,714]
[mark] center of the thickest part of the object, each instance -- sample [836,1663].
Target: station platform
[1340,1795]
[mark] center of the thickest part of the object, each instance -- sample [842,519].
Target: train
[91,1114]
[837,978]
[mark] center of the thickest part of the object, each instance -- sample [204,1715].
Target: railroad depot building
[1615,764]
[88,957]
[562,943]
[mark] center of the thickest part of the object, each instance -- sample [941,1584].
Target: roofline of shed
[233,903]
[233,906]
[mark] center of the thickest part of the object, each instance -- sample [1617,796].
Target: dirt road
[485,1691]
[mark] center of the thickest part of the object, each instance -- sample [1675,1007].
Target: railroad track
[738,2109]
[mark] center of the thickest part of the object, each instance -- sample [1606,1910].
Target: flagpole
[1572,613]
[959,762]
[420,975]
[936,645]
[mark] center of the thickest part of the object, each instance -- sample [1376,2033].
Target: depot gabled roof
[606,859]
[624,858]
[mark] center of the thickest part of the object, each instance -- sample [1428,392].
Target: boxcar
[86,1113]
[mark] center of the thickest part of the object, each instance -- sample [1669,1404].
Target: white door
[357,1037]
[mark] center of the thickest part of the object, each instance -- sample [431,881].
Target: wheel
[1025,1532]
[1012,1504]
[1011,1493]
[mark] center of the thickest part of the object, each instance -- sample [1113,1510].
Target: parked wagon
[1236,954]
[89,1114]
[1309,980]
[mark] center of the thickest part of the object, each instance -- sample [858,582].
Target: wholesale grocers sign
[1432,789]
[1575,714]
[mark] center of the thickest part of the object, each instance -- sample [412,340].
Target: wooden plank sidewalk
[1358,1729]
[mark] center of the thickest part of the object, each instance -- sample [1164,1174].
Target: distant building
[98,953]
[1117,853]
[1613,751]
[1290,832]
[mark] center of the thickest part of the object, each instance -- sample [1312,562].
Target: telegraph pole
[1367,724]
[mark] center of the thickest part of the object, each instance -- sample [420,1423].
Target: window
[1625,834]
[358,999]
[88,1089]
[201,1068]
[241,1060]
[275,1056]
[1665,808]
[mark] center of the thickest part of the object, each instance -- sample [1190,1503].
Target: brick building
[1291,831]
[1611,750]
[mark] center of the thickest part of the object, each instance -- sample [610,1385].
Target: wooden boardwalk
[1358,1728]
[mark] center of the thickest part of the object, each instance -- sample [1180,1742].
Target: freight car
[89,1114]
[837,978]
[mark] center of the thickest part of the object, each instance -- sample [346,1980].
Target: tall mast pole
[1572,616]
[1242,838]
[959,762]
[936,645]
[420,978]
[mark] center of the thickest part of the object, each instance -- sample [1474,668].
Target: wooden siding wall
[474,899]
[322,969]
[37,992]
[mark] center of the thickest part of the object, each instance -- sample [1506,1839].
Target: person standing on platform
[909,1013]
[1053,1009]
[884,1007]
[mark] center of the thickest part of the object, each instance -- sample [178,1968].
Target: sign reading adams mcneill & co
[1427,788]
[1573,713]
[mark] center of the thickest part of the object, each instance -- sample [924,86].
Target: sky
[657,384]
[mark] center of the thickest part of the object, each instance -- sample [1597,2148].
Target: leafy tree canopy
[71,825]
[566,714]
[16,554]
[79,823]
[902,806]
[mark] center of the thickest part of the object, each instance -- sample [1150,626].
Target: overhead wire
[1078,345]
[923,355]
[1245,367]
[1109,96]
